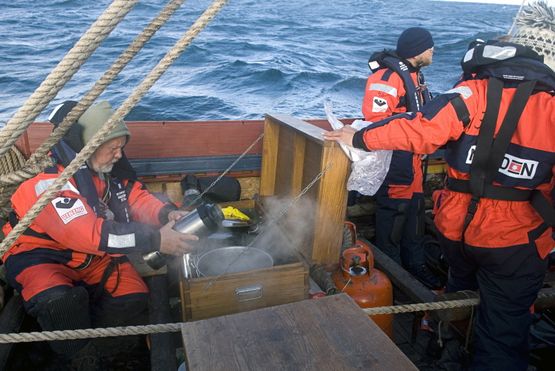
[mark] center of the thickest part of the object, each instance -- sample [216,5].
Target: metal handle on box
[248,293]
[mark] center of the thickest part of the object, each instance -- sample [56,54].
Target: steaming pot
[233,259]
[203,220]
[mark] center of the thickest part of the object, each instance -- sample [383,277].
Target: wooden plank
[299,144]
[285,158]
[310,131]
[331,333]
[176,138]
[269,158]
[332,206]
[166,139]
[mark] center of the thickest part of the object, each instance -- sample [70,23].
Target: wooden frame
[294,153]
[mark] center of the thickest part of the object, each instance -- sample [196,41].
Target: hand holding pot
[173,242]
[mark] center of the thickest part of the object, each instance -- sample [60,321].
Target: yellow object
[231,212]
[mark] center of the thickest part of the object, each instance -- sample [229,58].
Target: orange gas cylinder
[368,287]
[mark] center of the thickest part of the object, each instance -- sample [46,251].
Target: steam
[287,229]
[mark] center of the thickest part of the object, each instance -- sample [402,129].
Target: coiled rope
[63,72]
[176,327]
[107,128]
[35,163]
[12,161]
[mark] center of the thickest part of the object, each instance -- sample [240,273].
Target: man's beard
[106,168]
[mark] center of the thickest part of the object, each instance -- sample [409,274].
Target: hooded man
[70,265]
[397,86]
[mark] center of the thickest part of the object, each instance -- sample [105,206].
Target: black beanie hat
[414,41]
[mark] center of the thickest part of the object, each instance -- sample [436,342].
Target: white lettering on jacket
[511,166]
[68,208]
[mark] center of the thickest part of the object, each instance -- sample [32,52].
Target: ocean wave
[254,57]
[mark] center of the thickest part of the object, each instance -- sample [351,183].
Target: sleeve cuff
[358,141]
[164,212]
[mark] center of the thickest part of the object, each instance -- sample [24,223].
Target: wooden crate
[208,297]
[294,155]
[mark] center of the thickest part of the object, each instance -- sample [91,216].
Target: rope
[420,307]
[175,327]
[516,17]
[97,139]
[12,161]
[436,305]
[63,72]
[122,61]
[26,337]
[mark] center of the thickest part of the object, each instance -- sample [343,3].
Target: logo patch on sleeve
[69,208]
[379,104]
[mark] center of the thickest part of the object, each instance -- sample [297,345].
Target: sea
[255,57]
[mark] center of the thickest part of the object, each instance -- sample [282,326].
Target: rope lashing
[27,337]
[122,61]
[436,305]
[419,307]
[98,138]
[176,327]
[63,72]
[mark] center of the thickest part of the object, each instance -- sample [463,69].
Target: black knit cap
[414,41]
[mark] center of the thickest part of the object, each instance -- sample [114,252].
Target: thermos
[201,222]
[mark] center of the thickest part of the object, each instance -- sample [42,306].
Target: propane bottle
[368,287]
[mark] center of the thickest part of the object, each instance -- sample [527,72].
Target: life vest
[505,65]
[401,170]
[414,98]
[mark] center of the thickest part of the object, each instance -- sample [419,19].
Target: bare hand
[344,135]
[173,242]
[175,215]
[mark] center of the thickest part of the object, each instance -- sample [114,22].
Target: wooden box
[301,169]
[305,177]
[207,297]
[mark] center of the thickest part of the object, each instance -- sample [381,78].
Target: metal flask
[201,221]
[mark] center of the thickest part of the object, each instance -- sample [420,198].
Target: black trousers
[508,280]
[400,229]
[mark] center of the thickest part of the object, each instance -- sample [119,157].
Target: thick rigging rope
[40,155]
[98,138]
[63,72]
[176,327]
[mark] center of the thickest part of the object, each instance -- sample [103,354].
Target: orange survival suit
[397,87]
[496,214]
[70,265]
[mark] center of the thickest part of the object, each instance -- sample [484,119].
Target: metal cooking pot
[233,259]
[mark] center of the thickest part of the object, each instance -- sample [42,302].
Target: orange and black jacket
[454,119]
[69,222]
[392,90]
